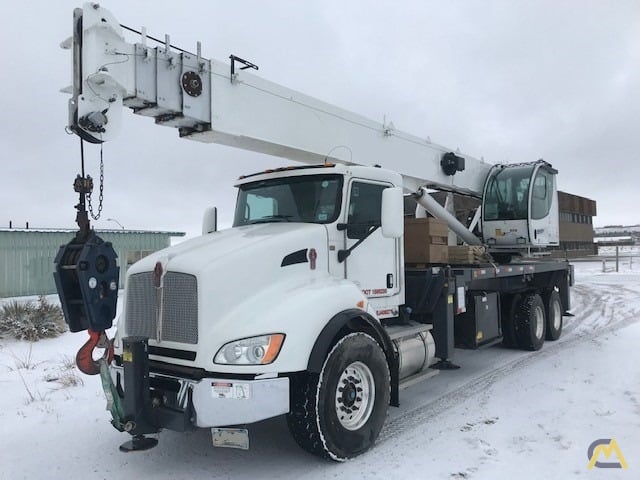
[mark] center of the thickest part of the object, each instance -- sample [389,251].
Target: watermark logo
[607,447]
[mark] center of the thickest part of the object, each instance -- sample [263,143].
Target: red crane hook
[84,358]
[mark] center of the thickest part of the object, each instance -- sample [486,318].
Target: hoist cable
[82,157]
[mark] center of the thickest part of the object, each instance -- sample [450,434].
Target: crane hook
[84,358]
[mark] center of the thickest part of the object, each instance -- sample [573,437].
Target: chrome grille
[180,322]
[142,307]
[179,306]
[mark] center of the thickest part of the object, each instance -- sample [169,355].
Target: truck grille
[179,306]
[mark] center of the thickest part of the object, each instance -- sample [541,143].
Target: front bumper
[180,403]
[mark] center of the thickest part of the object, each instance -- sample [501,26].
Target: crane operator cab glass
[520,206]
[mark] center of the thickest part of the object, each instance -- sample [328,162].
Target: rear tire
[530,322]
[338,414]
[553,310]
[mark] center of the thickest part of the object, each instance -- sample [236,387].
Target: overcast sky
[509,81]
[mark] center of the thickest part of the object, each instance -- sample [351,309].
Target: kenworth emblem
[157,275]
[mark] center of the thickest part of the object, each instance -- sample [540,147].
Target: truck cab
[347,201]
[232,316]
[292,227]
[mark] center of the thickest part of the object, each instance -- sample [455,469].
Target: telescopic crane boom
[213,102]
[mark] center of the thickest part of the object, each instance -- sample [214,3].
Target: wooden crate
[426,227]
[425,241]
[467,255]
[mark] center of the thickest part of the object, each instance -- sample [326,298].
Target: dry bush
[25,362]
[13,313]
[67,375]
[31,321]
[64,379]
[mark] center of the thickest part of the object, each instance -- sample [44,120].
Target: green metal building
[26,255]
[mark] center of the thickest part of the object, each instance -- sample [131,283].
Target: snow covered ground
[505,414]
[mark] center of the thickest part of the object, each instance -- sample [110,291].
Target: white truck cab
[245,307]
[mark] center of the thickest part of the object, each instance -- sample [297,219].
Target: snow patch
[505,414]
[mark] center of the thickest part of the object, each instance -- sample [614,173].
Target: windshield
[308,198]
[507,195]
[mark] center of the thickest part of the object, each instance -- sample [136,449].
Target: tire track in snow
[593,301]
[600,305]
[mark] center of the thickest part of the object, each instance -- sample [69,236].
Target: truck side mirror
[210,220]
[392,214]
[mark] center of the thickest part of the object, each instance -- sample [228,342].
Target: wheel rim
[557,316]
[538,316]
[355,396]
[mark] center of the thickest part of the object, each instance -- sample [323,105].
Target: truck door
[373,265]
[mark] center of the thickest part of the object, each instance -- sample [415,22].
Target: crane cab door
[520,206]
[374,264]
[543,208]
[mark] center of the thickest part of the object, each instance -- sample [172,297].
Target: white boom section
[431,205]
[209,105]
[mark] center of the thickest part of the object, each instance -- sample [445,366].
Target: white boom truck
[305,307]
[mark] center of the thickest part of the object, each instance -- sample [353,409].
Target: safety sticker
[237,390]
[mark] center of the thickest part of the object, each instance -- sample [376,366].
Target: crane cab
[520,206]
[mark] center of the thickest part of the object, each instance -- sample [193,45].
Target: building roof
[613,229]
[98,230]
[612,239]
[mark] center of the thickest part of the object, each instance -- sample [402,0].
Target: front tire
[338,414]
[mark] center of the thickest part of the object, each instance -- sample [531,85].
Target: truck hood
[240,246]
[240,274]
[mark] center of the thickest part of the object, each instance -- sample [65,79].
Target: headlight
[260,350]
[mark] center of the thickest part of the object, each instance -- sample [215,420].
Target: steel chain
[101,195]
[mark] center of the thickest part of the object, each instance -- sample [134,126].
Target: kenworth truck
[305,307]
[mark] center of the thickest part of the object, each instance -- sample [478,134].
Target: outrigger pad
[87,276]
[445,365]
[139,443]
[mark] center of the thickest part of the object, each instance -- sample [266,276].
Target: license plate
[230,438]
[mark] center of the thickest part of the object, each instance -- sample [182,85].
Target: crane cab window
[507,194]
[306,198]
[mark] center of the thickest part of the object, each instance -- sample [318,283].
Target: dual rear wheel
[529,319]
